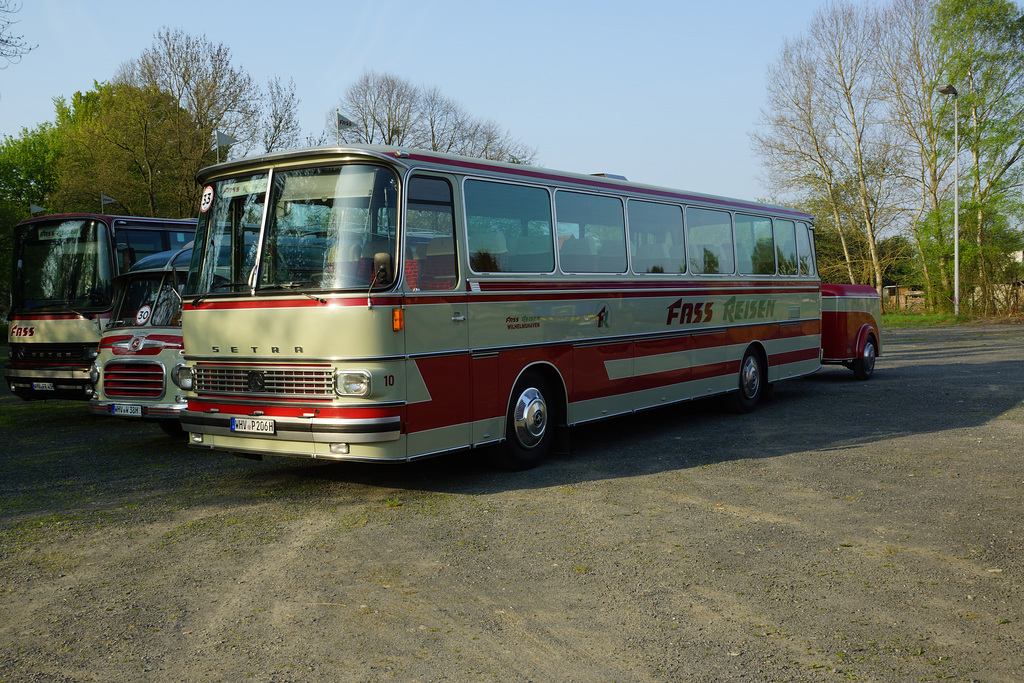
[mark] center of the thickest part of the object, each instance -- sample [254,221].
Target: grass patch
[922,319]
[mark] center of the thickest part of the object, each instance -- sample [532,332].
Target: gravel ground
[845,530]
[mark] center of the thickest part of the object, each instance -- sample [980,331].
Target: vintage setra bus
[62,293]
[387,304]
[133,377]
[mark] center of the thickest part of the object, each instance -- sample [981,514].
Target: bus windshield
[321,230]
[150,299]
[62,264]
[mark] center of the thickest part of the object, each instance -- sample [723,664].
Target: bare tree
[280,125]
[908,73]
[389,110]
[794,143]
[824,127]
[209,92]
[444,123]
[12,47]
[385,109]
[200,76]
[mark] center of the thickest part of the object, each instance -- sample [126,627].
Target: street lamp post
[950,90]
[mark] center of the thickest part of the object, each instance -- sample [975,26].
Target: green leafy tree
[122,141]
[27,177]
[142,137]
[981,44]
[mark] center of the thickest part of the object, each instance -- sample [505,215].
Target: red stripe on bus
[546,291]
[797,356]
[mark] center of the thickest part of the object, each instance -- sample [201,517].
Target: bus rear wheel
[752,383]
[528,427]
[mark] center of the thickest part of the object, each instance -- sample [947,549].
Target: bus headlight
[184,376]
[352,383]
[94,374]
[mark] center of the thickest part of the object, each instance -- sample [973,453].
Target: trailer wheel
[864,365]
[528,427]
[752,383]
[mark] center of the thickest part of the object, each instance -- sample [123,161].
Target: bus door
[438,410]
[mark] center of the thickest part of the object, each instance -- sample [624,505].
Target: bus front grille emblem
[256,381]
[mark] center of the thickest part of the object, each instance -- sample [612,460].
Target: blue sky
[660,92]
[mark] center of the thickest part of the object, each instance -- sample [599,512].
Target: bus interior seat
[677,255]
[612,257]
[578,255]
[532,254]
[412,270]
[437,270]
[651,258]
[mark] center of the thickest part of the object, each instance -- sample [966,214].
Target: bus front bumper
[362,439]
[31,382]
[145,411]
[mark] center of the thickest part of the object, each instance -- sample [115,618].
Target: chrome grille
[133,380]
[51,352]
[294,381]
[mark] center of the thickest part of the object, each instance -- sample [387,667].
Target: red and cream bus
[62,293]
[133,375]
[383,304]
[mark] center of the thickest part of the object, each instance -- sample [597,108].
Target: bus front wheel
[528,427]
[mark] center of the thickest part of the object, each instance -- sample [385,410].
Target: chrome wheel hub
[530,418]
[750,377]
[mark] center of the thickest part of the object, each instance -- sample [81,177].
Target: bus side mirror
[383,268]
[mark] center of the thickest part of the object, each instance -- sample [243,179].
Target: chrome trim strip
[291,360]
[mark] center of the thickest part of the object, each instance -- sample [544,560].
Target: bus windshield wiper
[215,287]
[59,305]
[295,285]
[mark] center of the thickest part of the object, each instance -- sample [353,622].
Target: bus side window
[594,232]
[488,252]
[509,228]
[656,235]
[755,253]
[804,243]
[430,226]
[138,243]
[709,236]
[785,247]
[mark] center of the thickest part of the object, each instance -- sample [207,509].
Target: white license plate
[42,386]
[126,410]
[254,425]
